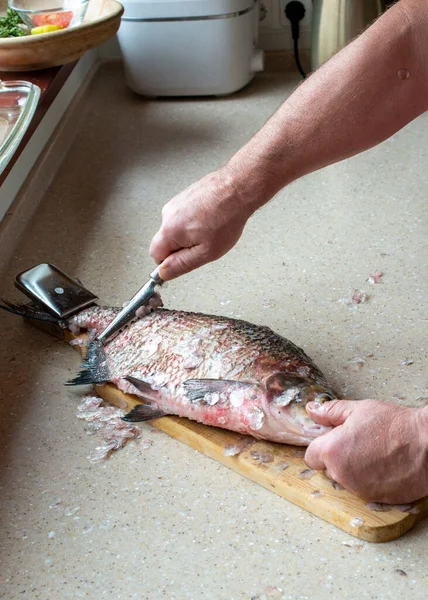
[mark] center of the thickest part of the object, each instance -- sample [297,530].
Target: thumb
[332,413]
[181,262]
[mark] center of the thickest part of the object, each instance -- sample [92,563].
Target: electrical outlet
[275,29]
[266,14]
[305,23]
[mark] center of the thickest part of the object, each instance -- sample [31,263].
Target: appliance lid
[170,10]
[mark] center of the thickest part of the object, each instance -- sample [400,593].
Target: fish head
[286,397]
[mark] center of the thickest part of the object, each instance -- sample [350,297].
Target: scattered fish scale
[379,507]
[355,364]
[318,494]
[238,446]
[107,422]
[262,457]
[307,474]
[353,544]
[375,278]
[400,572]
[410,508]
[145,444]
[359,297]
[281,466]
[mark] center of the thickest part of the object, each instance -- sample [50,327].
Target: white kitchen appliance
[189,48]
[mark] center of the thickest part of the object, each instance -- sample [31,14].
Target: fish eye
[321,398]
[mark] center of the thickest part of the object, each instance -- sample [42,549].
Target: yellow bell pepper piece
[45,29]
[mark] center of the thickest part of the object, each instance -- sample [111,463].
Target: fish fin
[94,368]
[28,311]
[143,412]
[144,388]
[196,389]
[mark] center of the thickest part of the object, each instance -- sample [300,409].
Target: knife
[127,314]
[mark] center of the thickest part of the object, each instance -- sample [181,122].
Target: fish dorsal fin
[205,390]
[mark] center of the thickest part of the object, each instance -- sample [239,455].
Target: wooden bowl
[57,48]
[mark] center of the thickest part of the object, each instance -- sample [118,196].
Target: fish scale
[257,348]
[216,370]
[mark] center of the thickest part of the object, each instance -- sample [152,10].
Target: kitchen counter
[161,520]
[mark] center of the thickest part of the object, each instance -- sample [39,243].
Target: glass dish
[59,13]
[18,101]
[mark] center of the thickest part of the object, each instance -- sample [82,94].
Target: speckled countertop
[165,521]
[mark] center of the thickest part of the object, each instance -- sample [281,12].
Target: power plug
[295,12]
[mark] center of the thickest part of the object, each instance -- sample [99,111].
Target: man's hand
[353,102]
[200,225]
[377,450]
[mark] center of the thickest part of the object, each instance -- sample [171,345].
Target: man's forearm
[362,96]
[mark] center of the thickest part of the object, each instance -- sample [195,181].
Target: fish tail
[94,369]
[28,311]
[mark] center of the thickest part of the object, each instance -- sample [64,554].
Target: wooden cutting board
[317,494]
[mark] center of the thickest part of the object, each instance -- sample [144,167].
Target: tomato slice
[62,19]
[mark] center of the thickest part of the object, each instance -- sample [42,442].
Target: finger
[328,474]
[181,262]
[313,455]
[331,413]
[161,247]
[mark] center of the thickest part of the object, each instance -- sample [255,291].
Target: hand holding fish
[377,450]
[199,225]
